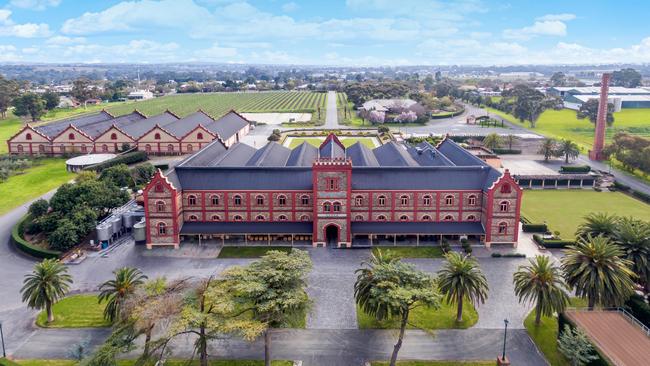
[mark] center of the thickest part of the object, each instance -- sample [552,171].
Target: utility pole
[2,337]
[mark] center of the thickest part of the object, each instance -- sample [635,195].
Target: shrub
[444,245]
[118,175]
[128,158]
[506,151]
[552,243]
[383,129]
[161,166]
[575,169]
[38,208]
[25,246]
[496,255]
[639,309]
[642,196]
[621,186]
[534,228]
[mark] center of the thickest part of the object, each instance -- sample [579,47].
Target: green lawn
[409,252]
[545,335]
[8,127]
[45,175]
[437,363]
[346,141]
[564,210]
[249,252]
[77,311]
[167,362]
[424,318]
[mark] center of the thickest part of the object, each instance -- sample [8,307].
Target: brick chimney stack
[596,153]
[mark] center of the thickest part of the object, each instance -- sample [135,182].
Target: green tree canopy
[589,109]
[47,284]
[461,278]
[117,175]
[115,291]
[29,104]
[568,149]
[629,78]
[51,100]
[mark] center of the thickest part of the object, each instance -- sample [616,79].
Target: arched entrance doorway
[332,235]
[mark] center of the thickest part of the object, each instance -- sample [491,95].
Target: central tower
[332,184]
[596,153]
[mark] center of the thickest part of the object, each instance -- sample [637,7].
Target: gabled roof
[392,154]
[29,127]
[206,157]
[98,129]
[272,154]
[331,148]
[427,155]
[113,127]
[72,127]
[361,155]
[188,123]
[303,155]
[53,129]
[457,154]
[228,124]
[141,127]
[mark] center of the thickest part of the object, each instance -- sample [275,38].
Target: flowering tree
[376,117]
[406,117]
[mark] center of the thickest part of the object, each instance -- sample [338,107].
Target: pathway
[332,116]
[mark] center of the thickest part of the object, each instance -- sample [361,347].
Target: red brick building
[163,134]
[332,195]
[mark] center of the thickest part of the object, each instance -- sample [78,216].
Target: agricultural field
[564,210]
[217,104]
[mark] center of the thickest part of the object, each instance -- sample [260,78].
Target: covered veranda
[414,233]
[246,233]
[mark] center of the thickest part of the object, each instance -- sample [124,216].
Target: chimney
[596,153]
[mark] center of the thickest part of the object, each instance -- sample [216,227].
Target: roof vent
[419,150]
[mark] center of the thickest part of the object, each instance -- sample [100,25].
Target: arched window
[159,188]
[503,228]
[426,218]
[504,206]
[71,136]
[104,148]
[193,218]
[505,188]
[358,218]
[337,206]
[237,200]
[381,200]
[28,136]
[162,228]
[304,218]
[199,136]
[404,200]
[427,200]
[381,218]
[327,207]
[113,136]
[282,218]
[156,136]
[358,201]
[237,218]
[403,218]
[282,200]
[160,206]
[448,218]
[170,148]
[471,200]
[305,200]
[191,200]
[449,200]
[147,148]
[216,218]
[19,148]
[190,148]
[215,200]
[471,218]
[260,200]
[260,218]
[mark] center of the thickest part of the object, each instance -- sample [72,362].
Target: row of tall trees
[563,148]
[632,151]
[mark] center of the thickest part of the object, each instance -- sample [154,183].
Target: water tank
[104,232]
[116,222]
[139,231]
[130,218]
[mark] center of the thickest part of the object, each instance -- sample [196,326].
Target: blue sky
[333,32]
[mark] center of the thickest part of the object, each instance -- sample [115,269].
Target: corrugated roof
[55,128]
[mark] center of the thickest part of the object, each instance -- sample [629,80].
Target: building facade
[163,134]
[332,195]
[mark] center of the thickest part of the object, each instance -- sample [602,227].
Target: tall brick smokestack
[596,153]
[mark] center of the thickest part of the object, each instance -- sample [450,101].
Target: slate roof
[388,167]
[228,125]
[331,148]
[96,129]
[55,128]
[186,124]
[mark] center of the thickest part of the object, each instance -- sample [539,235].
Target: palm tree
[115,291]
[460,278]
[596,269]
[569,149]
[48,282]
[548,149]
[492,141]
[541,282]
[597,223]
[511,140]
[633,236]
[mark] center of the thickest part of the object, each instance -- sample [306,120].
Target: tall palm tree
[48,282]
[633,236]
[541,282]
[597,223]
[548,149]
[596,269]
[115,291]
[459,278]
[492,141]
[569,149]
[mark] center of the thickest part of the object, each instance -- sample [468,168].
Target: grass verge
[545,334]
[78,311]
[424,318]
[42,177]
[409,252]
[249,252]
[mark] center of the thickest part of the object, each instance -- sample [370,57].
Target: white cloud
[8,53]
[30,50]
[4,16]
[133,51]
[63,40]
[216,52]
[539,28]
[564,17]
[8,28]
[35,4]
[289,7]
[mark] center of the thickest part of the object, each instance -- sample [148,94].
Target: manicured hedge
[621,186]
[25,246]
[128,158]
[639,309]
[534,228]
[162,167]
[506,151]
[552,243]
[575,169]
[447,115]
[508,255]
[642,196]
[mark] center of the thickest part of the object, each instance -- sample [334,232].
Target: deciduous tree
[589,109]
[29,104]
